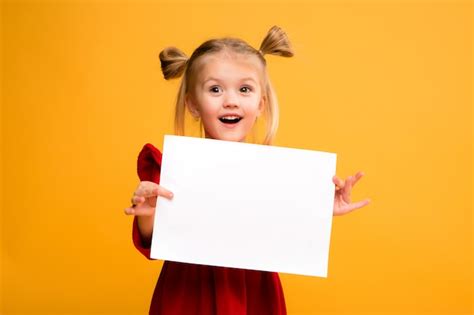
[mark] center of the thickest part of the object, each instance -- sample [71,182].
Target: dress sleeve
[148,169]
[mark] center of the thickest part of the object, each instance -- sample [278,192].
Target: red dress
[191,289]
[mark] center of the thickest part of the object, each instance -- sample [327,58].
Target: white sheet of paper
[245,206]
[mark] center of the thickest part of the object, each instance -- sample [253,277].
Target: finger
[338,182]
[140,210]
[357,177]
[353,206]
[346,193]
[164,192]
[136,200]
[146,188]
[152,191]
[129,211]
[146,192]
[357,205]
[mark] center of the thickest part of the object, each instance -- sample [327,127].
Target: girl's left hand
[342,197]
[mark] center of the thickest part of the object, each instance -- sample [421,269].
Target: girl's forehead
[221,62]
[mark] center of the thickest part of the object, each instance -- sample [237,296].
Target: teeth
[230,117]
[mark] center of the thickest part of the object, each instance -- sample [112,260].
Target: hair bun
[173,62]
[276,43]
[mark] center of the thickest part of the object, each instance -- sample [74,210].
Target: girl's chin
[226,137]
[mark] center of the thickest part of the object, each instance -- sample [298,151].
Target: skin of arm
[145,227]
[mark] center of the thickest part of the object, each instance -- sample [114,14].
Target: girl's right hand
[144,198]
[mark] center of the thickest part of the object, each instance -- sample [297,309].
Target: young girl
[225,85]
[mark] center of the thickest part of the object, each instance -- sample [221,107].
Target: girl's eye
[215,89]
[246,89]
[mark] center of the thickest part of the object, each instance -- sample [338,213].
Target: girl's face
[227,95]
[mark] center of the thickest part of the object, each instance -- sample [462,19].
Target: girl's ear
[191,106]
[261,106]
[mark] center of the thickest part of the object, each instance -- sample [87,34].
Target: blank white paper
[245,206]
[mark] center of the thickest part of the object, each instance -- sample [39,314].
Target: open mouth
[230,119]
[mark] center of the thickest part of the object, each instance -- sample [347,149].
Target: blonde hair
[175,63]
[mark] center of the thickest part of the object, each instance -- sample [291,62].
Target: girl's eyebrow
[215,79]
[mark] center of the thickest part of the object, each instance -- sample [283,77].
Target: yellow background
[385,85]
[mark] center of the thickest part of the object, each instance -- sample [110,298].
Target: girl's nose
[231,100]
